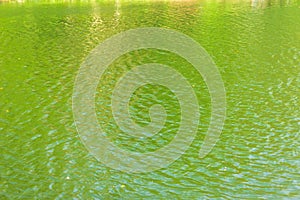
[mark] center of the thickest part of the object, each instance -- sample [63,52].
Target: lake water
[256,47]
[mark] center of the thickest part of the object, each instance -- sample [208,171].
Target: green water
[256,47]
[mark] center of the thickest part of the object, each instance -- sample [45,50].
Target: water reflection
[256,50]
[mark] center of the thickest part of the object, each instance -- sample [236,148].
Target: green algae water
[256,47]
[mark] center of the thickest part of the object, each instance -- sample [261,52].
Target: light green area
[256,48]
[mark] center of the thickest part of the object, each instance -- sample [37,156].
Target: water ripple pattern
[143,38]
[254,44]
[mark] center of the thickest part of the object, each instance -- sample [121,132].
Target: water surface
[256,47]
